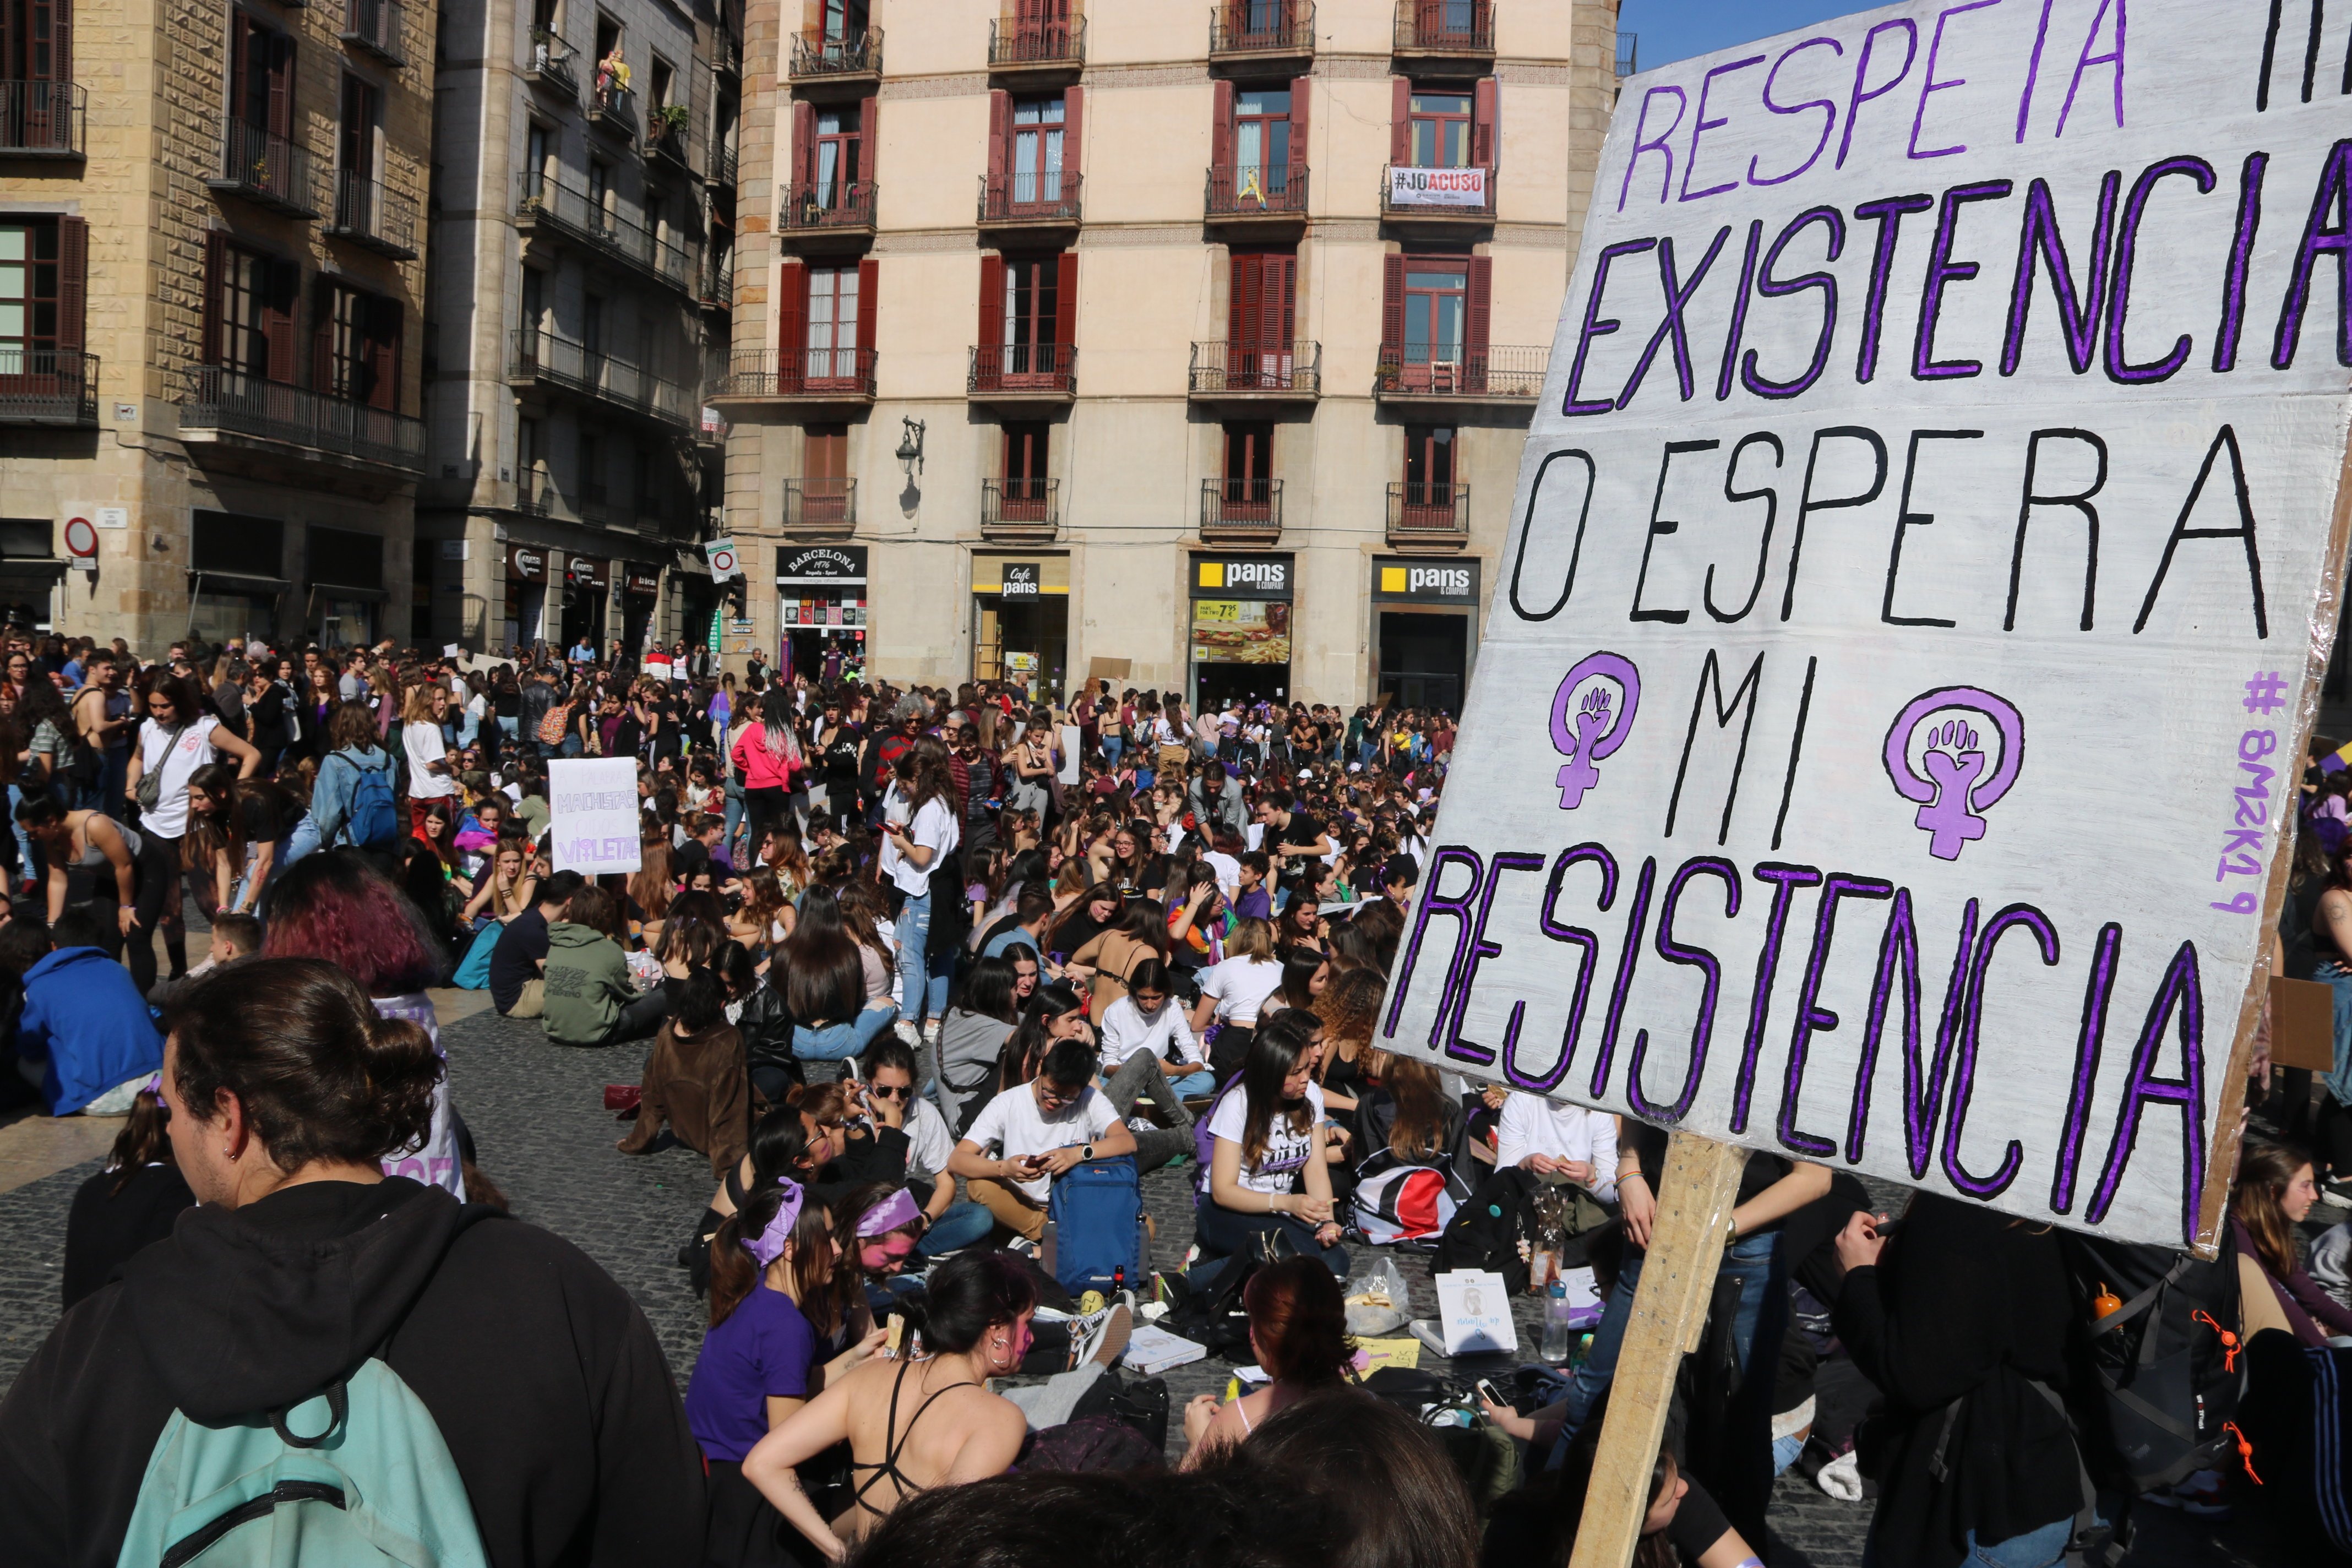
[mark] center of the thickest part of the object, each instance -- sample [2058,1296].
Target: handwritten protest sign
[1923,561]
[593,813]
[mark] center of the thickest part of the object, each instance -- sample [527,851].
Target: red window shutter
[804,163]
[1074,104]
[1480,306]
[384,353]
[278,319]
[1065,306]
[792,323]
[1221,130]
[1000,136]
[1400,121]
[1281,299]
[1298,95]
[869,139]
[215,263]
[1241,308]
[73,282]
[1392,307]
[281,86]
[869,273]
[1483,123]
[992,305]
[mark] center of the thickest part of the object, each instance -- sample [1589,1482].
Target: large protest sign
[1923,562]
[591,823]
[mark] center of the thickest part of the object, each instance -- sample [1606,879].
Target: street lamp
[911,447]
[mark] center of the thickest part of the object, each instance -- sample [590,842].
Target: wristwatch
[1088,1152]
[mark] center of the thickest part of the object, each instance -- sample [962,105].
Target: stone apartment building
[1194,344]
[583,171]
[210,327]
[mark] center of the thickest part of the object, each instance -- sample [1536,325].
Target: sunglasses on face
[891,1091]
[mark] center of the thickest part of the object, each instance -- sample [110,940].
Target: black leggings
[154,874]
[762,809]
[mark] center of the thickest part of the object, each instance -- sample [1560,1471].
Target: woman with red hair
[1298,1331]
[334,905]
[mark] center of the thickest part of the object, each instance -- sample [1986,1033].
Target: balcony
[612,109]
[553,64]
[1628,54]
[821,509]
[543,358]
[1428,513]
[569,212]
[229,408]
[1241,511]
[1031,44]
[828,378]
[1019,508]
[1251,196]
[714,287]
[851,63]
[1456,29]
[48,386]
[265,170]
[665,138]
[1256,31]
[374,25]
[1024,372]
[369,213]
[1408,374]
[43,120]
[1255,373]
[1437,197]
[536,496]
[722,172]
[725,51]
[1032,201]
[822,211]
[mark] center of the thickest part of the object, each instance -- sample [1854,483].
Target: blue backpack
[374,821]
[1098,1215]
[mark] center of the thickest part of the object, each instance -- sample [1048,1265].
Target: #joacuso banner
[1923,562]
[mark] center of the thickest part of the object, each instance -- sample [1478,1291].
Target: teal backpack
[375,1485]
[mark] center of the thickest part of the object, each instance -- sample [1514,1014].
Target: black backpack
[2167,1380]
[1486,1232]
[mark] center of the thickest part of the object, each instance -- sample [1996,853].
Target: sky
[1675,30]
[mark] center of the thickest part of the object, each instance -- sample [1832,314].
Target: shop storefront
[30,570]
[821,611]
[1021,621]
[1424,629]
[344,586]
[236,568]
[1240,619]
[640,604]
[587,583]
[526,585]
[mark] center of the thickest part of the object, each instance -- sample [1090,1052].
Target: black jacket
[767,1026]
[545,1380]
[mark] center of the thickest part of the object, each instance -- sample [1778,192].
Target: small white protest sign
[593,813]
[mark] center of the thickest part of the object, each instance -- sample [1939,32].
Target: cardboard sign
[1948,401]
[1473,1307]
[593,814]
[2302,1024]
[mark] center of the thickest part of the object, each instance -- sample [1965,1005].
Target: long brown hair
[1419,1131]
[649,883]
[145,1140]
[1280,1041]
[2266,1170]
[735,1273]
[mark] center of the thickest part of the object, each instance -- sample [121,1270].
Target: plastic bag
[1377,1301]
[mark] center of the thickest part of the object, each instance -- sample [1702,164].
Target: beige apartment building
[1193,343]
[210,279]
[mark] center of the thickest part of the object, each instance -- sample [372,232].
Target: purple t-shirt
[765,1348]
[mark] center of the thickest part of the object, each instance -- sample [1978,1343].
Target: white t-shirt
[423,743]
[935,828]
[1241,986]
[192,751]
[1229,872]
[1531,1124]
[1125,1031]
[1287,1152]
[928,1142]
[1013,1124]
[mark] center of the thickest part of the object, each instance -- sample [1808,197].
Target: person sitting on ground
[825,989]
[1233,992]
[519,963]
[133,1201]
[2274,1192]
[1040,1129]
[694,1082]
[888,1096]
[1408,1112]
[235,936]
[1557,1143]
[589,998]
[1141,1030]
[1536,1526]
[912,1423]
[973,1037]
[1268,1170]
[1298,1332]
[85,1030]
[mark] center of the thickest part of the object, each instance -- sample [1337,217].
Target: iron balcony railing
[1629,53]
[370,213]
[1262,27]
[722,166]
[537,495]
[1045,196]
[816,204]
[43,120]
[1425,370]
[614,108]
[553,61]
[217,398]
[727,50]
[1015,41]
[596,500]
[1241,506]
[1255,190]
[1047,369]
[665,138]
[1427,511]
[1290,369]
[47,387]
[1024,504]
[374,25]
[579,215]
[716,284]
[540,354]
[804,373]
[1445,27]
[267,169]
[852,54]
[820,504]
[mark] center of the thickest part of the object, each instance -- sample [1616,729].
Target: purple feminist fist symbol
[1598,725]
[1955,790]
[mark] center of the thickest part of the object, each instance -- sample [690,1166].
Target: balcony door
[833,315]
[825,475]
[29,293]
[1436,309]
[845,26]
[1036,151]
[835,160]
[261,77]
[36,54]
[1429,476]
[1026,444]
[356,156]
[1044,28]
[1263,318]
[1438,133]
[250,315]
[1249,472]
[1262,145]
[1033,317]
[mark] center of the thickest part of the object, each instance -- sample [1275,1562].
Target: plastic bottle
[1558,1339]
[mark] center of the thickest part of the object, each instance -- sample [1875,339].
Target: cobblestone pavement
[538,1121]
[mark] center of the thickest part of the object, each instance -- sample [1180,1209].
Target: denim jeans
[960,1225]
[923,993]
[734,826]
[1113,746]
[28,859]
[2043,1548]
[822,1052]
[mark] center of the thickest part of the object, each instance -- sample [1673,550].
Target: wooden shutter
[323,334]
[1479,309]
[1241,300]
[792,323]
[1482,123]
[1299,89]
[1392,306]
[277,317]
[1000,139]
[215,263]
[1281,300]
[1221,130]
[1065,308]
[281,85]
[992,306]
[804,163]
[381,353]
[241,32]
[1400,121]
[869,138]
[73,283]
[869,273]
[1073,103]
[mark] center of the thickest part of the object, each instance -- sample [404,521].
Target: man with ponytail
[514,1373]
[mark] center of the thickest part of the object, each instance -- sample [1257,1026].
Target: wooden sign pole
[1699,1184]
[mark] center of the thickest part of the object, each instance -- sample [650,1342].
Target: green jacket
[587,984]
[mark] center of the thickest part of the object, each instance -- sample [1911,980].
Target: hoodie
[545,1380]
[85,1023]
[587,984]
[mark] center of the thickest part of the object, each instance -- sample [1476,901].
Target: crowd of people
[910,967]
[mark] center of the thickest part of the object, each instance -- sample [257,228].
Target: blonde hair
[1250,938]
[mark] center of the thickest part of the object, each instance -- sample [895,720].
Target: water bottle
[1558,1337]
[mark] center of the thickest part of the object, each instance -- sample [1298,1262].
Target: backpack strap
[2088,1528]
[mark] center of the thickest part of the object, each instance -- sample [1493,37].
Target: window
[36,44]
[355,145]
[249,311]
[1439,134]
[261,78]
[29,283]
[1257,147]
[357,348]
[1025,447]
[1262,136]
[591,325]
[548,14]
[1429,462]
[591,466]
[1249,471]
[539,153]
[659,80]
[824,474]
[825,323]
[1435,296]
[845,21]
[1263,317]
[1037,150]
[835,155]
[534,299]
[832,322]
[1434,316]
[608,36]
[1031,311]
[600,187]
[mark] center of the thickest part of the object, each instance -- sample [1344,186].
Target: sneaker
[1140,1124]
[1022,1246]
[2199,1496]
[908,1033]
[2336,1193]
[1100,1338]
